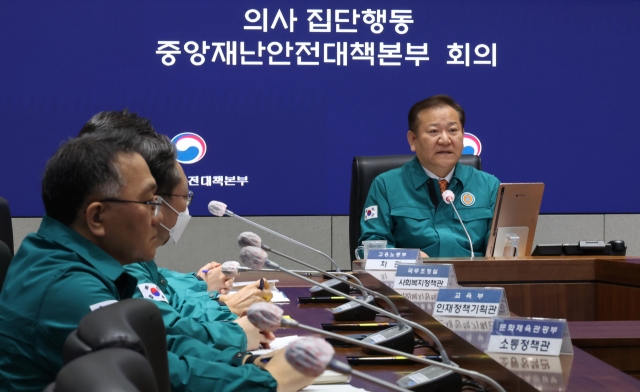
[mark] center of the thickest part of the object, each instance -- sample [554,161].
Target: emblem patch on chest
[467,199]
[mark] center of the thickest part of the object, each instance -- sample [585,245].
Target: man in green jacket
[405,206]
[101,214]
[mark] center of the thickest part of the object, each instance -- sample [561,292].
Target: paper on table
[278,343]
[333,388]
[271,281]
[327,377]
[278,296]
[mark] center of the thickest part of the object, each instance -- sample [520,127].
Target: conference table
[599,296]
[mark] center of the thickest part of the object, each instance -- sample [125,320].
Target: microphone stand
[445,364]
[290,323]
[449,200]
[339,284]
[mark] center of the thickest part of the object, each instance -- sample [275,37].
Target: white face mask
[181,223]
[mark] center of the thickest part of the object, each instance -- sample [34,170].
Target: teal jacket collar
[55,231]
[419,177]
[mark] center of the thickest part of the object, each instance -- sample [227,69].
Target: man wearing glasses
[101,214]
[188,309]
[160,155]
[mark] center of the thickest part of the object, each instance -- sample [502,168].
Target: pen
[261,284]
[388,360]
[321,300]
[357,327]
[205,271]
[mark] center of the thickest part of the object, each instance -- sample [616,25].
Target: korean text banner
[269,101]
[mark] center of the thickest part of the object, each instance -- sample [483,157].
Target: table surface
[580,372]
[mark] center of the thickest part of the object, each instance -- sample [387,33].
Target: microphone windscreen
[248,238]
[265,316]
[309,355]
[448,196]
[217,208]
[230,268]
[253,257]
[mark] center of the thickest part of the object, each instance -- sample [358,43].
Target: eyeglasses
[188,197]
[155,203]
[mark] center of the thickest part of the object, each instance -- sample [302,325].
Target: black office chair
[108,370]
[132,324]
[5,260]
[6,227]
[363,171]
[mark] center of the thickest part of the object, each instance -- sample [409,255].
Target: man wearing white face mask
[182,217]
[188,310]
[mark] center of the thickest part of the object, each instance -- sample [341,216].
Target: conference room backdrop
[269,101]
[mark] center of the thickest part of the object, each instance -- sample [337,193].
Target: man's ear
[93,218]
[411,138]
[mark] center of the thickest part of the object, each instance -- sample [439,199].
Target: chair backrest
[5,260]
[6,227]
[108,370]
[134,324]
[363,171]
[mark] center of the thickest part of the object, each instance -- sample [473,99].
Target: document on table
[327,377]
[278,296]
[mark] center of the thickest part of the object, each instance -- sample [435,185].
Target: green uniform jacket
[194,315]
[189,295]
[409,215]
[54,280]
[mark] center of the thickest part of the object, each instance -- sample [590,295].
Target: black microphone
[448,198]
[447,380]
[218,208]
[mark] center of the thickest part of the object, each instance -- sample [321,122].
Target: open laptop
[514,219]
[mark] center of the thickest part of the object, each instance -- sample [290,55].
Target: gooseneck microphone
[399,337]
[230,269]
[218,208]
[256,258]
[347,312]
[448,198]
[266,311]
[267,317]
[309,355]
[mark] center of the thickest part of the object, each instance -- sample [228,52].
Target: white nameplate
[388,259]
[530,336]
[422,276]
[467,302]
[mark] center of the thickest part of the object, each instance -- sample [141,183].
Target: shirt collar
[419,174]
[54,230]
[447,177]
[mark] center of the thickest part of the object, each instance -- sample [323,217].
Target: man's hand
[215,279]
[239,302]
[255,337]
[288,378]
[424,255]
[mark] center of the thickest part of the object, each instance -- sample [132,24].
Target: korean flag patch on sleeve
[151,291]
[370,213]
